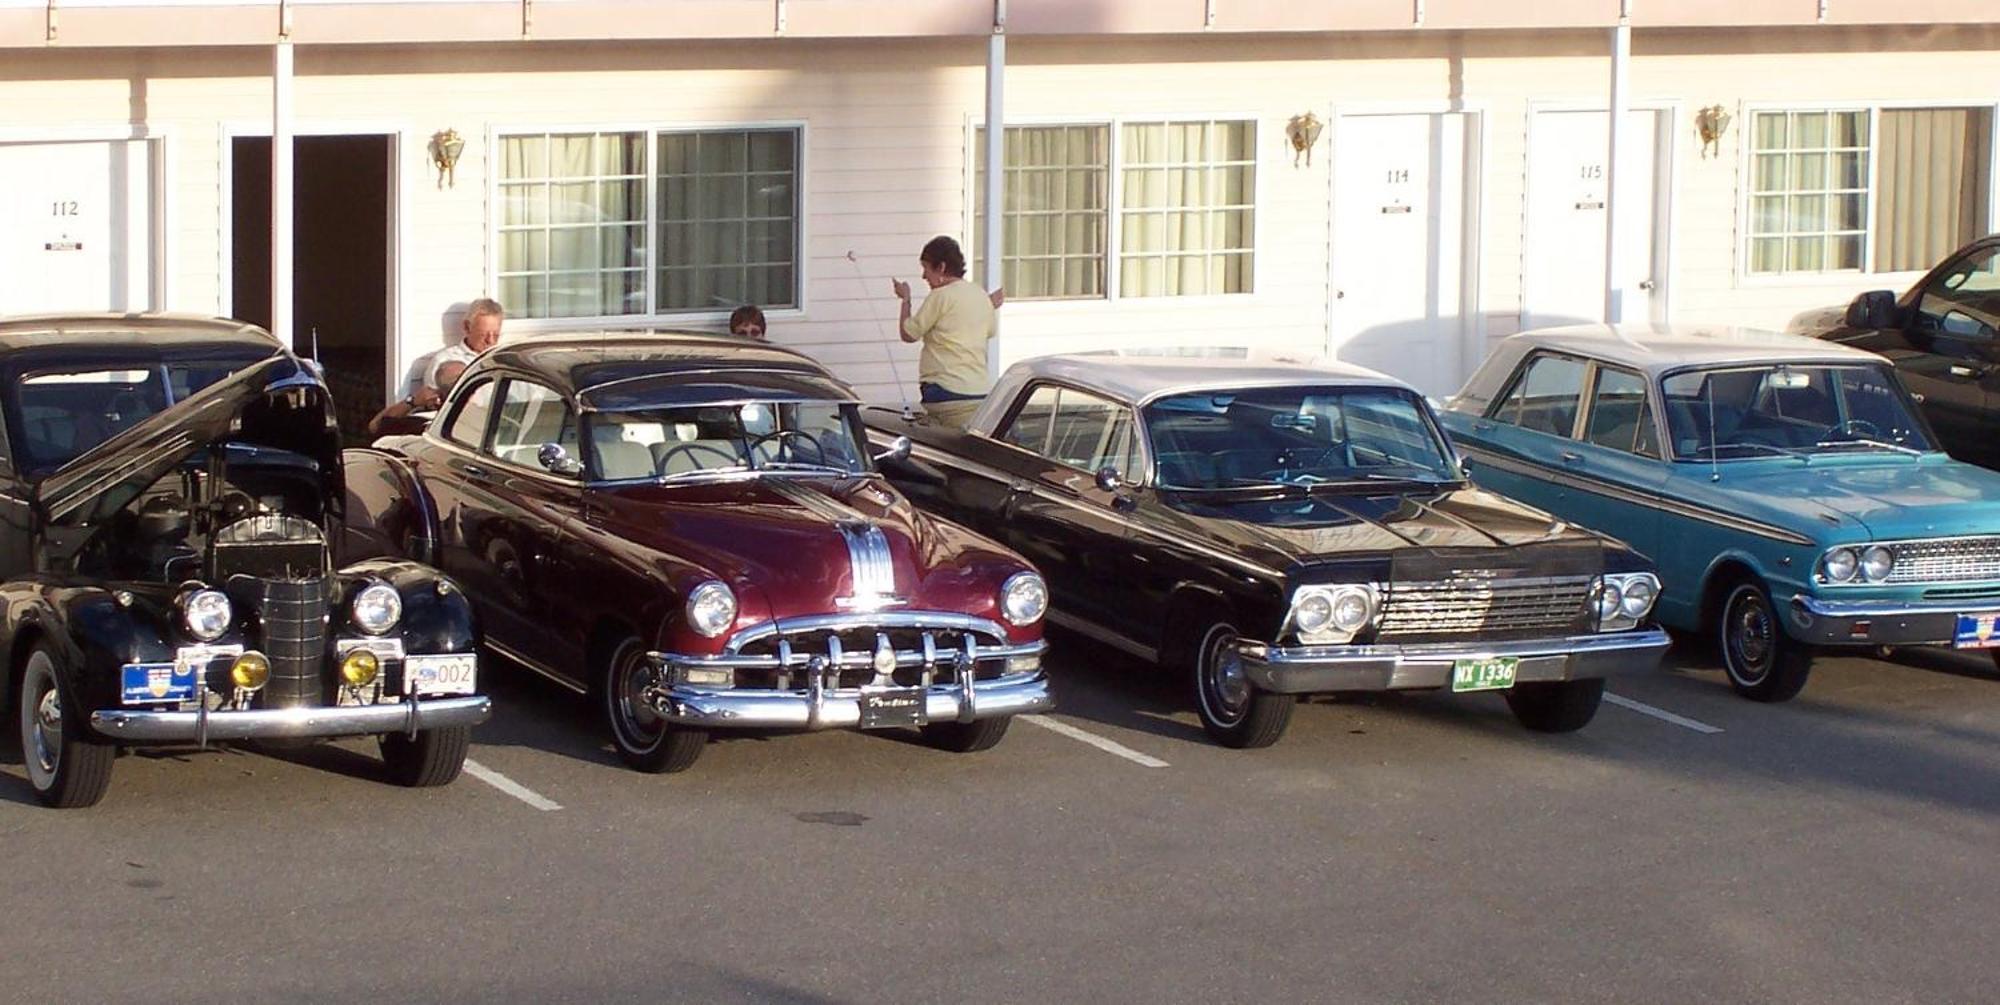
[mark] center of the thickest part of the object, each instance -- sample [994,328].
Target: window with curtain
[580,214]
[1056,191]
[1843,190]
[1186,210]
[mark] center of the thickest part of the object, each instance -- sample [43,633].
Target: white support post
[1614,164]
[993,203]
[281,191]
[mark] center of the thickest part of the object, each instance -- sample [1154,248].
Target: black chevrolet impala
[1272,530]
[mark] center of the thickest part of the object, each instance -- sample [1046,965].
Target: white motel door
[75,226]
[1562,277]
[1399,247]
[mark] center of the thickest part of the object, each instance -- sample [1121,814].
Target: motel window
[578,213]
[1888,190]
[1182,223]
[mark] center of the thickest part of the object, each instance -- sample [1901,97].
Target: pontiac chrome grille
[1951,560]
[1478,604]
[938,650]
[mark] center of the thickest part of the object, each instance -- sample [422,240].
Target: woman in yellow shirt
[954,325]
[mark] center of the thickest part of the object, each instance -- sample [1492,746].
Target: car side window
[1029,429]
[1090,432]
[1619,418]
[1544,396]
[468,423]
[530,416]
[1965,301]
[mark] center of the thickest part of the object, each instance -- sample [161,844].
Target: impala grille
[1953,560]
[1483,605]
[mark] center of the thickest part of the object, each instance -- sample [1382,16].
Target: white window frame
[1114,238]
[678,319]
[1746,168]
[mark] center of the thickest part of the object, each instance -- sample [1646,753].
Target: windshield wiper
[1716,448]
[1867,442]
[803,467]
[702,474]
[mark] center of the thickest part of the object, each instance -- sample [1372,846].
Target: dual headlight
[1871,564]
[1330,615]
[1624,599]
[1024,598]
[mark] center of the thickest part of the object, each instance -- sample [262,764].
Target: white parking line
[1101,743]
[509,786]
[1660,713]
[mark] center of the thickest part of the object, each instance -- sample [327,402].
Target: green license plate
[1492,674]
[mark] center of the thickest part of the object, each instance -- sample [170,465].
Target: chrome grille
[1469,605]
[1950,560]
[293,614]
[853,647]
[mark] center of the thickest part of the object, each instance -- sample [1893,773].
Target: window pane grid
[571,227]
[1053,231]
[1808,191]
[1188,219]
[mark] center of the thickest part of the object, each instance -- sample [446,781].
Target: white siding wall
[887,133]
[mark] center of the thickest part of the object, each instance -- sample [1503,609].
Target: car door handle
[1482,426]
[1961,370]
[476,471]
[1572,457]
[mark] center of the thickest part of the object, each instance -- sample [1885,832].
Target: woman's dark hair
[943,252]
[750,313]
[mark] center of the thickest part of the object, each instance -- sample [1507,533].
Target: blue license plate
[150,682]
[1977,631]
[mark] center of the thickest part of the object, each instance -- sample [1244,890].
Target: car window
[1544,397]
[62,413]
[1029,429]
[1965,300]
[530,416]
[1780,409]
[1618,418]
[1090,432]
[468,423]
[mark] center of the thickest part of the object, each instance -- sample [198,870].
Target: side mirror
[558,460]
[899,448]
[1107,478]
[1873,309]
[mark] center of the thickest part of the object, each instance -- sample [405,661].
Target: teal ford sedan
[1788,489]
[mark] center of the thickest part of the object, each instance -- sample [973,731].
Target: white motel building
[1391,182]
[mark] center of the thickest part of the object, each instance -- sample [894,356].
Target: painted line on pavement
[1660,713]
[1109,746]
[509,786]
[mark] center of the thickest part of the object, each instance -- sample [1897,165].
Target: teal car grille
[1947,560]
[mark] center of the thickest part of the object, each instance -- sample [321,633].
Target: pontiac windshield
[1294,436]
[697,442]
[1784,410]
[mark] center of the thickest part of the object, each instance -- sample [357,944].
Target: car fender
[94,631]
[438,617]
[389,513]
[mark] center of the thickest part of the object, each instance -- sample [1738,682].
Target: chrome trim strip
[343,720]
[1009,694]
[1890,608]
[1447,651]
[877,619]
[537,668]
[1597,486]
[1104,635]
[874,569]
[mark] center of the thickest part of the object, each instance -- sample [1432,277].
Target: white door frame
[162,244]
[1472,313]
[400,185]
[1666,189]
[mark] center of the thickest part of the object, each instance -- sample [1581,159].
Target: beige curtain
[1931,196]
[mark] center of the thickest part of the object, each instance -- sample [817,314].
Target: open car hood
[274,402]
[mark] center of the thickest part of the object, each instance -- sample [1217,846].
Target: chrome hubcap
[1228,689]
[1751,637]
[45,731]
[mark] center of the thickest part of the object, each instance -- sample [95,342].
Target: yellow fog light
[359,668]
[250,671]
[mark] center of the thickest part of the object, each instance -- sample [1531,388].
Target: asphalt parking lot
[1401,848]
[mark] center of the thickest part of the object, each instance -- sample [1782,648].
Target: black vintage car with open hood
[1272,530]
[169,488]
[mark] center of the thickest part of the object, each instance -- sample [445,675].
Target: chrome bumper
[291,723]
[820,708]
[1312,669]
[1878,622]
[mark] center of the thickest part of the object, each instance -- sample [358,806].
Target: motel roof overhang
[168,23]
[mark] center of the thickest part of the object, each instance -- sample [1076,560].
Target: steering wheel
[692,448]
[1859,428]
[819,452]
[124,410]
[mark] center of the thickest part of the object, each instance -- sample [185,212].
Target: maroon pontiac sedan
[690,530]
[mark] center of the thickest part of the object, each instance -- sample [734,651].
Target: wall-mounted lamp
[1711,123]
[446,145]
[1304,132]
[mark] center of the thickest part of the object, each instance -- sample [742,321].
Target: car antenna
[1714,445]
[888,350]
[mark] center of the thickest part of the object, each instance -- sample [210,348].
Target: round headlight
[1877,563]
[360,667]
[1312,613]
[1608,599]
[1638,599]
[711,608]
[1351,609]
[1839,565]
[1024,598]
[377,608]
[207,614]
